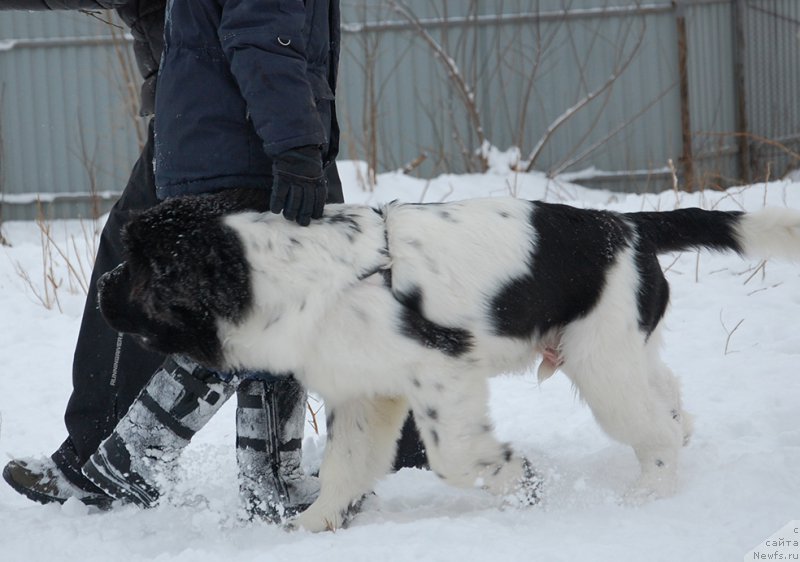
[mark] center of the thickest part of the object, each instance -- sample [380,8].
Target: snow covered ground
[733,337]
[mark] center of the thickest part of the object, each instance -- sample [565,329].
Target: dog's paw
[320,517]
[648,489]
[316,521]
[637,496]
[527,491]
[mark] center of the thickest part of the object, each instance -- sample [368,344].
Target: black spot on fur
[432,413]
[348,222]
[448,217]
[329,419]
[435,437]
[573,251]
[416,383]
[347,219]
[659,463]
[507,453]
[450,341]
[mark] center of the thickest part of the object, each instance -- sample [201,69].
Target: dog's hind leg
[668,386]
[360,448]
[459,440]
[632,396]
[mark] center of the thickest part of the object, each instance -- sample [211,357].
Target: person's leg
[270,422]
[135,462]
[108,371]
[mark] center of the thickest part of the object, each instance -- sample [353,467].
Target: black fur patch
[568,264]
[679,230]
[413,324]
[184,270]
[653,294]
[348,222]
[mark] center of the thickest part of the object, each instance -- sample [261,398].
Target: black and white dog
[416,305]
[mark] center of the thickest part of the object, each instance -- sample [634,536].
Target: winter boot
[42,481]
[270,419]
[134,462]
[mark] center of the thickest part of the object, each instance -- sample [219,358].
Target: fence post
[687,158]
[740,93]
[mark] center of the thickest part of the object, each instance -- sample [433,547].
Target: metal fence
[616,87]
[68,137]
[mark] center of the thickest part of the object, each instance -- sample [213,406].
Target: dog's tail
[770,232]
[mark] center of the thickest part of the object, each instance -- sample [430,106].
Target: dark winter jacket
[242,81]
[145,19]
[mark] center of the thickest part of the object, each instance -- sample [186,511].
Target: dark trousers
[108,369]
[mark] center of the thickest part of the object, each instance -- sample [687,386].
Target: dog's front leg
[362,438]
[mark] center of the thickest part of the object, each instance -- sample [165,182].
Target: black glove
[299,187]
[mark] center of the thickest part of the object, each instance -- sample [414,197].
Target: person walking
[245,101]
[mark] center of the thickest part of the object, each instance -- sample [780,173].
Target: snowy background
[733,337]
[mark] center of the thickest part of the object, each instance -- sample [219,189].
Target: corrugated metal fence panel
[772,56]
[711,92]
[517,52]
[528,72]
[529,62]
[66,129]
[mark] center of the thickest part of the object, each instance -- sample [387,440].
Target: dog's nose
[109,276]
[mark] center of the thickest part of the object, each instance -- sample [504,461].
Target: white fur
[771,232]
[322,311]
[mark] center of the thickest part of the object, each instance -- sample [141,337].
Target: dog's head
[184,271]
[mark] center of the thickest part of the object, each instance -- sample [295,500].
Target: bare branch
[580,104]
[465,92]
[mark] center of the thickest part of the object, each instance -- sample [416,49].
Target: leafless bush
[496,75]
[71,258]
